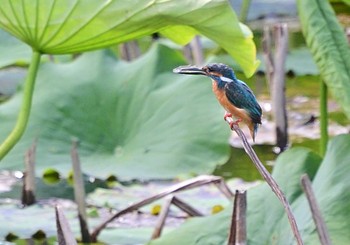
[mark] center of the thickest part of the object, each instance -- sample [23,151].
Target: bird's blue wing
[241,96]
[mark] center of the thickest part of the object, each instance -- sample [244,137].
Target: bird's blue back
[241,96]
[237,91]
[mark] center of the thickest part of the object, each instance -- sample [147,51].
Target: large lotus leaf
[264,210]
[133,120]
[329,46]
[25,222]
[66,26]
[17,220]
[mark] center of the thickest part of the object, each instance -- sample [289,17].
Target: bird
[233,94]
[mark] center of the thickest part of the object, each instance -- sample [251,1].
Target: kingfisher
[233,94]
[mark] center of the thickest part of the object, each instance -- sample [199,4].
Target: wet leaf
[134,120]
[66,26]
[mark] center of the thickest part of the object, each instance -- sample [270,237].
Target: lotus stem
[244,11]
[23,116]
[323,119]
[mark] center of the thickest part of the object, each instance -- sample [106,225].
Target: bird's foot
[227,115]
[235,123]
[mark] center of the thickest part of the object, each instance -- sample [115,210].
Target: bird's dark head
[219,72]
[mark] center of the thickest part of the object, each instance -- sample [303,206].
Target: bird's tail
[253,128]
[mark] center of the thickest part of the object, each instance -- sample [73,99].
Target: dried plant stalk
[268,178]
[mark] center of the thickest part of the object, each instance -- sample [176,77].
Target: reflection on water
[239,165]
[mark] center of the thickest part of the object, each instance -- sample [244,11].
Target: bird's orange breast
[229,107]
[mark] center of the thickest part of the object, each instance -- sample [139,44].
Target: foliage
[54,27]
[267,223]
[60,27]
[134,120]
[329,46]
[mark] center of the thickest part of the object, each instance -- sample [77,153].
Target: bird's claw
[235,123]
[227,115]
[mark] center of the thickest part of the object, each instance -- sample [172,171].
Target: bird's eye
[208,69]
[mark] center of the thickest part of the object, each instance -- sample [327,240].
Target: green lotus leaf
[71,26]
[24,222]
[329,47]
[133,120]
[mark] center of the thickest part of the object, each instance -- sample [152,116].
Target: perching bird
[233,94]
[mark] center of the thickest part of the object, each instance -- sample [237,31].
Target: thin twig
[185,185]
[191,211]
[321,227]
[223,187]
[268,178]
[238,231]
[162,217]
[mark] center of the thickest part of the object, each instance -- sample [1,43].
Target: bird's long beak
[189,70]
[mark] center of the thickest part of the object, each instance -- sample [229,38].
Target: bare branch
[321,227]
[223,187]
[186,207]
[268,178]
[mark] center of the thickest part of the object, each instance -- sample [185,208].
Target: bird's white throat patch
[225,79]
